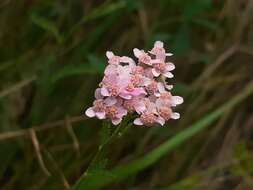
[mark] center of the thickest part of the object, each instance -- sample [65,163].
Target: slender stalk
[102,147]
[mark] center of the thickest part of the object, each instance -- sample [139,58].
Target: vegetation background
[52,56]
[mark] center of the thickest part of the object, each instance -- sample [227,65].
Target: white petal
[155,73]
[137,52]
[109,54]
[158,44]
[100,115]
[116,121]
[89,112]
[137,121]
[168,87]
[168,75]
[175,115]
[110,101]
[169,54]
[177,100]
[157,94]
[104,91]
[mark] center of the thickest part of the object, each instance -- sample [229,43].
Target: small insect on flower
[137,88]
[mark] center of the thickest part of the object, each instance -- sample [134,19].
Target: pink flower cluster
[139,88]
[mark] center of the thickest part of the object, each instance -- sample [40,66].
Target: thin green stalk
[107,141]
[103,144]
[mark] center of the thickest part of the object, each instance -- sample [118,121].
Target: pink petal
[100,115]
[98,93]
[158,44]
[110,101]
[155,72]
[109,54]
[137,52]
[177,100]
[126,59]
[160,120]
[168,75]
[122,112]
[89,112]
[161,87]
[125,96]
[170,66]
[152,108]
[138,91]
[161,57]
[104,91]
[116,121]
[140,108]
[110,69]
[175,115]
[137,121]
[148,73]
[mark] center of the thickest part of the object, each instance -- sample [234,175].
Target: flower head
[138,88]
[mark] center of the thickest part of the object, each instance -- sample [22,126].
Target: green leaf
[98,175]
[189,183]
[123,171]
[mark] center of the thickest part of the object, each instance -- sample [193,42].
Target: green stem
[102,147]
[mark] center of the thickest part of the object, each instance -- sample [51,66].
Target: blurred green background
[52,57]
